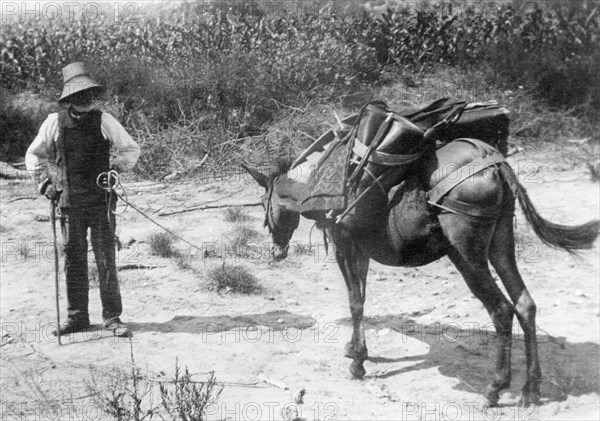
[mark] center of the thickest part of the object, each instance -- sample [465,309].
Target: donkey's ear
[258,176]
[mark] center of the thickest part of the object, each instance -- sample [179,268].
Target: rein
[269,211]
[110,188]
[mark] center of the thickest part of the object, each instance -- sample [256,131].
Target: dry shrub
[236,214]
[183,260]
[120,393]
[240,238]
[185,399]
[161,244]
[232,279]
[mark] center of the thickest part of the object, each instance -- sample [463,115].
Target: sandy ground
[428,337]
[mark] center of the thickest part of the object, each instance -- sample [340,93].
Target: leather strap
[471,209]
[461,174]
[383,158]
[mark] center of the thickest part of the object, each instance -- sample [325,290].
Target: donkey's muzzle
[279,253]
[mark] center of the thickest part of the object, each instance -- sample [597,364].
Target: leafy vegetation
[191,79]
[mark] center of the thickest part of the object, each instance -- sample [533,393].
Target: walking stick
[53,217]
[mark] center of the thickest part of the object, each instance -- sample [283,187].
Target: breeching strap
[459,175]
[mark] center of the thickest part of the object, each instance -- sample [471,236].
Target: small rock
[270,298]
[279,321]
[435,293]
[299,399]
[292,302]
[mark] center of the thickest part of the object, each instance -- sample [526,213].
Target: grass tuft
[93,275]
[233,279]
[240,237]
[161,244]
[183,260]
[236,214]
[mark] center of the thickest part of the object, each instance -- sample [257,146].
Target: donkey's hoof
[349,350]
[492,395]
[528,399]
[357,370]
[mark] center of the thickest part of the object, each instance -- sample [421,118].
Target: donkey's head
[281,219]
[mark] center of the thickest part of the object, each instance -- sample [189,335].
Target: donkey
[406,230]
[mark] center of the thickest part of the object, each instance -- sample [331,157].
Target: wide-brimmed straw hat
[77,79]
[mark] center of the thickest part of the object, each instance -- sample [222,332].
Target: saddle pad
[326,183]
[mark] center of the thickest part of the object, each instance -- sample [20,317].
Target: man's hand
[49,189]
[52,192]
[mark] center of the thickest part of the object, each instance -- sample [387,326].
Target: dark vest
[82,154]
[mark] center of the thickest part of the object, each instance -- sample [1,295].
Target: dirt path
[428,337]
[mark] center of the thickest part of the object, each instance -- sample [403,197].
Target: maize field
[240,61]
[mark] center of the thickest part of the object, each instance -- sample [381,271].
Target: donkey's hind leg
[470,241]
[502,256]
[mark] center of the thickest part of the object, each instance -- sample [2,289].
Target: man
[72,148]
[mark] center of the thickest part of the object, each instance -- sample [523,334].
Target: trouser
[74,226]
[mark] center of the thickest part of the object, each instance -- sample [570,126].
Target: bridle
[280,234]
[269,208]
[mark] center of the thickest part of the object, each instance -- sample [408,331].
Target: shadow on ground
[468,354]
[274,320]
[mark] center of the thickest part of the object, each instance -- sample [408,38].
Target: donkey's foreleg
[354,266]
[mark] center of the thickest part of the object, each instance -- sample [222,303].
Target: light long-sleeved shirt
[126,150]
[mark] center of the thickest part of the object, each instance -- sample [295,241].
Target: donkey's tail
[567,237]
